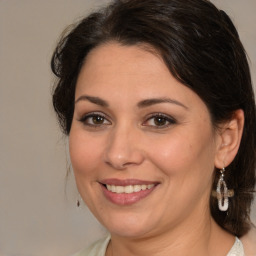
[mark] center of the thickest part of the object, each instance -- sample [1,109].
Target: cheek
[183,153]
[187,162]
[84,153]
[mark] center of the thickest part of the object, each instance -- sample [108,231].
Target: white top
[99,249]
[237,249]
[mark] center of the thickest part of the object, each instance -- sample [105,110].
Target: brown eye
[94,119]
[98,119]
[160,121]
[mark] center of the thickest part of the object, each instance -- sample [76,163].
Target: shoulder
[249,242]
[96,249]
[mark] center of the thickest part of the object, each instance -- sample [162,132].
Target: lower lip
[124,198]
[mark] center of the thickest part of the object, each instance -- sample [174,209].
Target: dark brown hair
[201,48]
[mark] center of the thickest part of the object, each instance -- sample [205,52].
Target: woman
[157,101]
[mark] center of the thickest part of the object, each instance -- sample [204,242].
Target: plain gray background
[38,214]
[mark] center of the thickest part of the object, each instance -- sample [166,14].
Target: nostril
[118,165]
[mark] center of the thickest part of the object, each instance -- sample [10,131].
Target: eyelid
[168,118]
[93,114]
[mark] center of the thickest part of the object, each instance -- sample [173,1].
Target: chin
[129,226]
[129,232]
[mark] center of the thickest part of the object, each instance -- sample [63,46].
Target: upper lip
[127,182]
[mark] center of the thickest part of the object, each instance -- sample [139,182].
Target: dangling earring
[223,193]
[78,201]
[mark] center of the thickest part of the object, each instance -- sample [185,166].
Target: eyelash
[165,118]
[170,121]
[87,117]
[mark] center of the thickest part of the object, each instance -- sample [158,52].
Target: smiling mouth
[128,189]
[127,192]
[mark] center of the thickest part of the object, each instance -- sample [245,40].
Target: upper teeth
[128,189]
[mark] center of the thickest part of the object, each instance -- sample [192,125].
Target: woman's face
[142,144]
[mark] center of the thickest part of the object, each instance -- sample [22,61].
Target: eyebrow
[141,104]
[95,100]
[153,101]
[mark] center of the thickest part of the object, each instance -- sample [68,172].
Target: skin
[126,142]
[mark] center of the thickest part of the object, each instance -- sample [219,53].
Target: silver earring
[223,193]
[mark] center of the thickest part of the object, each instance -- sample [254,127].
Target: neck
[201,236]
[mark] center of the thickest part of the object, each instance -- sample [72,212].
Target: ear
[229,138]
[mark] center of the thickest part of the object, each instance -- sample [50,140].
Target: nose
[122,149]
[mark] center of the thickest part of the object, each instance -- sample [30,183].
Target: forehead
[113,63]
[135,73]
[127,58]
